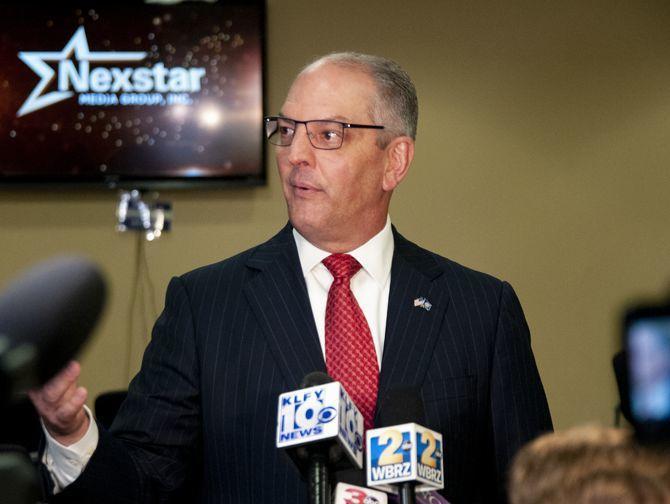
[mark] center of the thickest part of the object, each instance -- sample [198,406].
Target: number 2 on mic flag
[401,453]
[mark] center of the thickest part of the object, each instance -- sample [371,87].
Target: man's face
[335,198]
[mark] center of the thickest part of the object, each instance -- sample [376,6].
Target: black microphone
[401,453]
[45,317]
[400,406]
[318,477]
[315,378]
[321,430]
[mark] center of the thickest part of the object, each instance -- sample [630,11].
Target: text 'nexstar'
[75,75]
[141,80]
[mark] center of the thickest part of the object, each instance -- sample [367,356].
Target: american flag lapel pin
[423,303]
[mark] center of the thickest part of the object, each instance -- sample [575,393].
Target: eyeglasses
[326,135]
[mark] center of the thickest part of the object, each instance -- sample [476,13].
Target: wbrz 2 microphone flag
[401,453]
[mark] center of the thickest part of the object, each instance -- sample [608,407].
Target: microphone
[352,494]
[403,456]
[322,429]
[423,498]
[45,317]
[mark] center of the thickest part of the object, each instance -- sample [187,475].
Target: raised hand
[60,403]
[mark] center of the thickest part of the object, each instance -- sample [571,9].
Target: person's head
[589,465]
[338,198]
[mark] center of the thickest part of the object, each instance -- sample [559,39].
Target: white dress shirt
[370,286]
[65,463]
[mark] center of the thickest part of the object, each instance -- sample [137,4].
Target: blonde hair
[589,465]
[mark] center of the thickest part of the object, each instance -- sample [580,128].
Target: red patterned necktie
[350,352]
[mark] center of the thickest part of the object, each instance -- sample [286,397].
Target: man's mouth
[303,187]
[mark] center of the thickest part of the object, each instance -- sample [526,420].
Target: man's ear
[399,155]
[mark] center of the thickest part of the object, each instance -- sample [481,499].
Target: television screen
[131,93]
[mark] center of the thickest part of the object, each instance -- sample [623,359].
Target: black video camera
[646,340]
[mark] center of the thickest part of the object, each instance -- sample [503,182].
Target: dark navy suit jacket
[235,334]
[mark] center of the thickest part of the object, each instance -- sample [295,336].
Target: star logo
[78,45]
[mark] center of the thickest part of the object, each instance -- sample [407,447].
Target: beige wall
[543,157]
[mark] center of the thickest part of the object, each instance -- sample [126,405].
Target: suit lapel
[411,330]
[278,298]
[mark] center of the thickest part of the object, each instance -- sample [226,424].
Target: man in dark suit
[235,334]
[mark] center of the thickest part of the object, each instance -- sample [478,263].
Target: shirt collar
[375,255]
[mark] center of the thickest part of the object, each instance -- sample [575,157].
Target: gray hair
[396,105]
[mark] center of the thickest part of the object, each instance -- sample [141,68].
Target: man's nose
[300,150]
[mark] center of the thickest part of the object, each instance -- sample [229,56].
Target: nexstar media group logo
[101,85]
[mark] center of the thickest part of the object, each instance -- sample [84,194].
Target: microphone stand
[318,478]
[407,493]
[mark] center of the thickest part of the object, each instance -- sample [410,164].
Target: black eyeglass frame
[344,125]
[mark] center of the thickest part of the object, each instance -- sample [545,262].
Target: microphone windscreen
[315,378]
[52,309]
[400,406]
